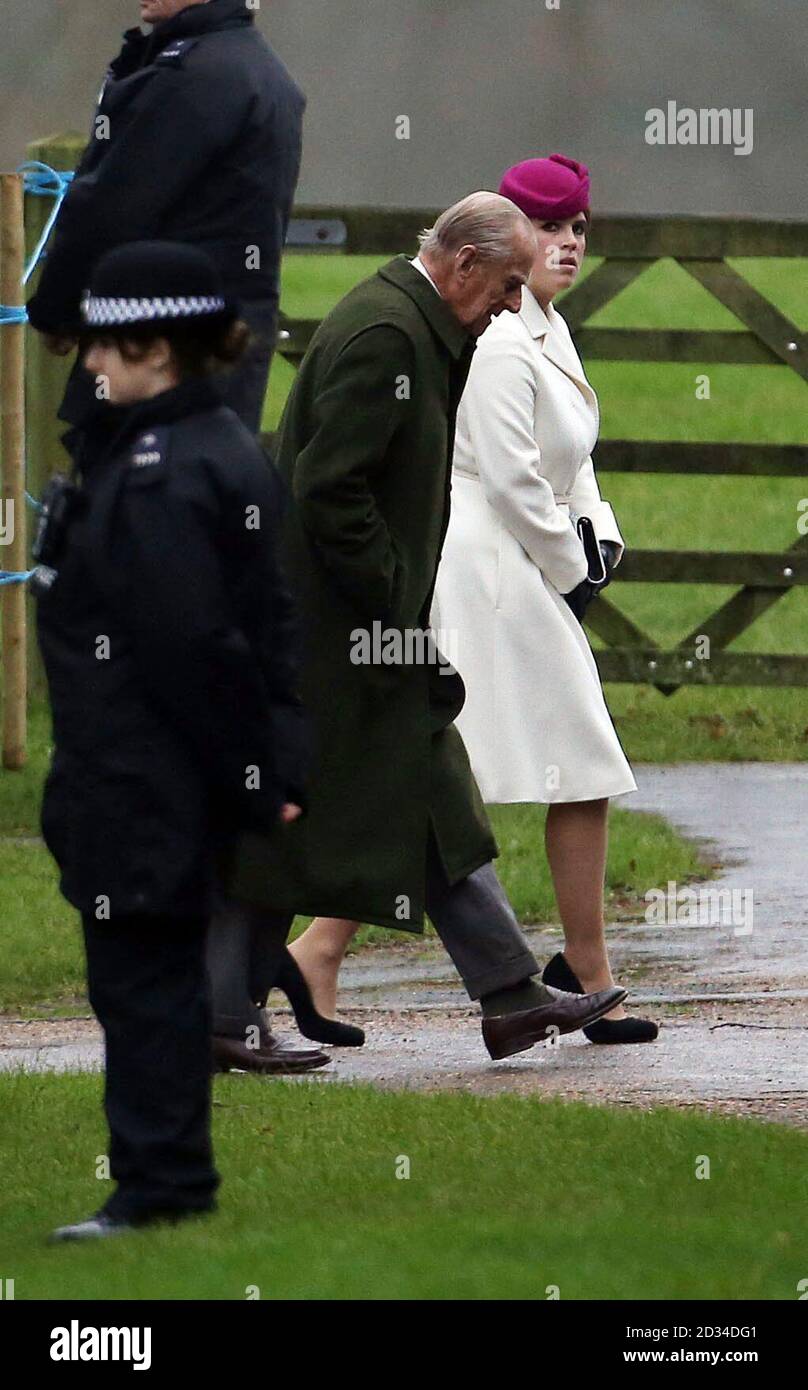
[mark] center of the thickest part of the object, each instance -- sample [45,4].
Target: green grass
[506,1197]
[41,951]
[721,725]
[21,792]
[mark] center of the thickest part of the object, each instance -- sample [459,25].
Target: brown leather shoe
[273,1057]
[505,1034]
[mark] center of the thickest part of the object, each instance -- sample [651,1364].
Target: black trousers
[245,945]
[148,987]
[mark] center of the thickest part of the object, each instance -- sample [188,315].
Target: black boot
[606,1030]
[292,981]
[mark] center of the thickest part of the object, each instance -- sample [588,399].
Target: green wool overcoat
[365,447]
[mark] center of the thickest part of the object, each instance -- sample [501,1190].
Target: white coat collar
[556,343]
[534,316]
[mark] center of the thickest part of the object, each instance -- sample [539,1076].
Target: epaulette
[175,53]
[150,448]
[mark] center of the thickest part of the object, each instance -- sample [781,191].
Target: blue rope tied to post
[43,182]
[15,577]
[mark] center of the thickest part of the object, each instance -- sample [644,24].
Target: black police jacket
[170,648]
[196,138]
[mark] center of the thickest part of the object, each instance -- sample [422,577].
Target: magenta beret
[548,188]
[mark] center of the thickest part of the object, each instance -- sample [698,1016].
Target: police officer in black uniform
[196,139]
[169,644]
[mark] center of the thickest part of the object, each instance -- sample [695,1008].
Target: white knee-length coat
[535,722]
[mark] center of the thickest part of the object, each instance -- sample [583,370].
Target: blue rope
[21,576]
[15,577]
[44,182]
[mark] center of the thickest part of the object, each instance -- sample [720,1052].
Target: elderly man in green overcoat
[395,826]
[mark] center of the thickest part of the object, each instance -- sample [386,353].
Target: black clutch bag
[597,573]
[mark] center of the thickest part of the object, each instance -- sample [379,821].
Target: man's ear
[465,261]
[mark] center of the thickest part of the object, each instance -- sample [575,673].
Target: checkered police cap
[98,310]
[153,282]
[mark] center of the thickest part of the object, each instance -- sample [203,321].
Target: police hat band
[98,311]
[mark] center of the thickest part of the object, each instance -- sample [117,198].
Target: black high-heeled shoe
[292,981]
[558,973]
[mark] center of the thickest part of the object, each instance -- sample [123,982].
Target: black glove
[580,598]
[608,550]
[582,595]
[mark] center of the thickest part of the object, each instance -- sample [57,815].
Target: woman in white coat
[514,581]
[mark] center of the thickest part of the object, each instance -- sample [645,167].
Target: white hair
[486,221]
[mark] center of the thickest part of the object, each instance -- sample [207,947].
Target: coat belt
[562,499]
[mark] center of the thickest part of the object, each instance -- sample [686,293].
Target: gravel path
[733,1003]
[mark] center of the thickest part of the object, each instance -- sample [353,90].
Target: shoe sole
[69,1236]
[622,1042]
[334,1042]
[286,1070]
[526,1041]
[57,1238]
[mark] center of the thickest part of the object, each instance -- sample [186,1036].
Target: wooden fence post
[12,460]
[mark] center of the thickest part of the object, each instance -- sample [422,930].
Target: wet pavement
[728,985]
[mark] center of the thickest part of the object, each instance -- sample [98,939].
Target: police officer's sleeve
[194,661]
[174,133]
[363,401]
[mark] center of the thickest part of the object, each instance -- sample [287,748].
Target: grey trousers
[473,919]
[478,928]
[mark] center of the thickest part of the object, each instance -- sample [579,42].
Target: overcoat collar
[102,428]
[550,328]
[402,273]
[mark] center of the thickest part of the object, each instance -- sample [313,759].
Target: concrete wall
[484,83]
